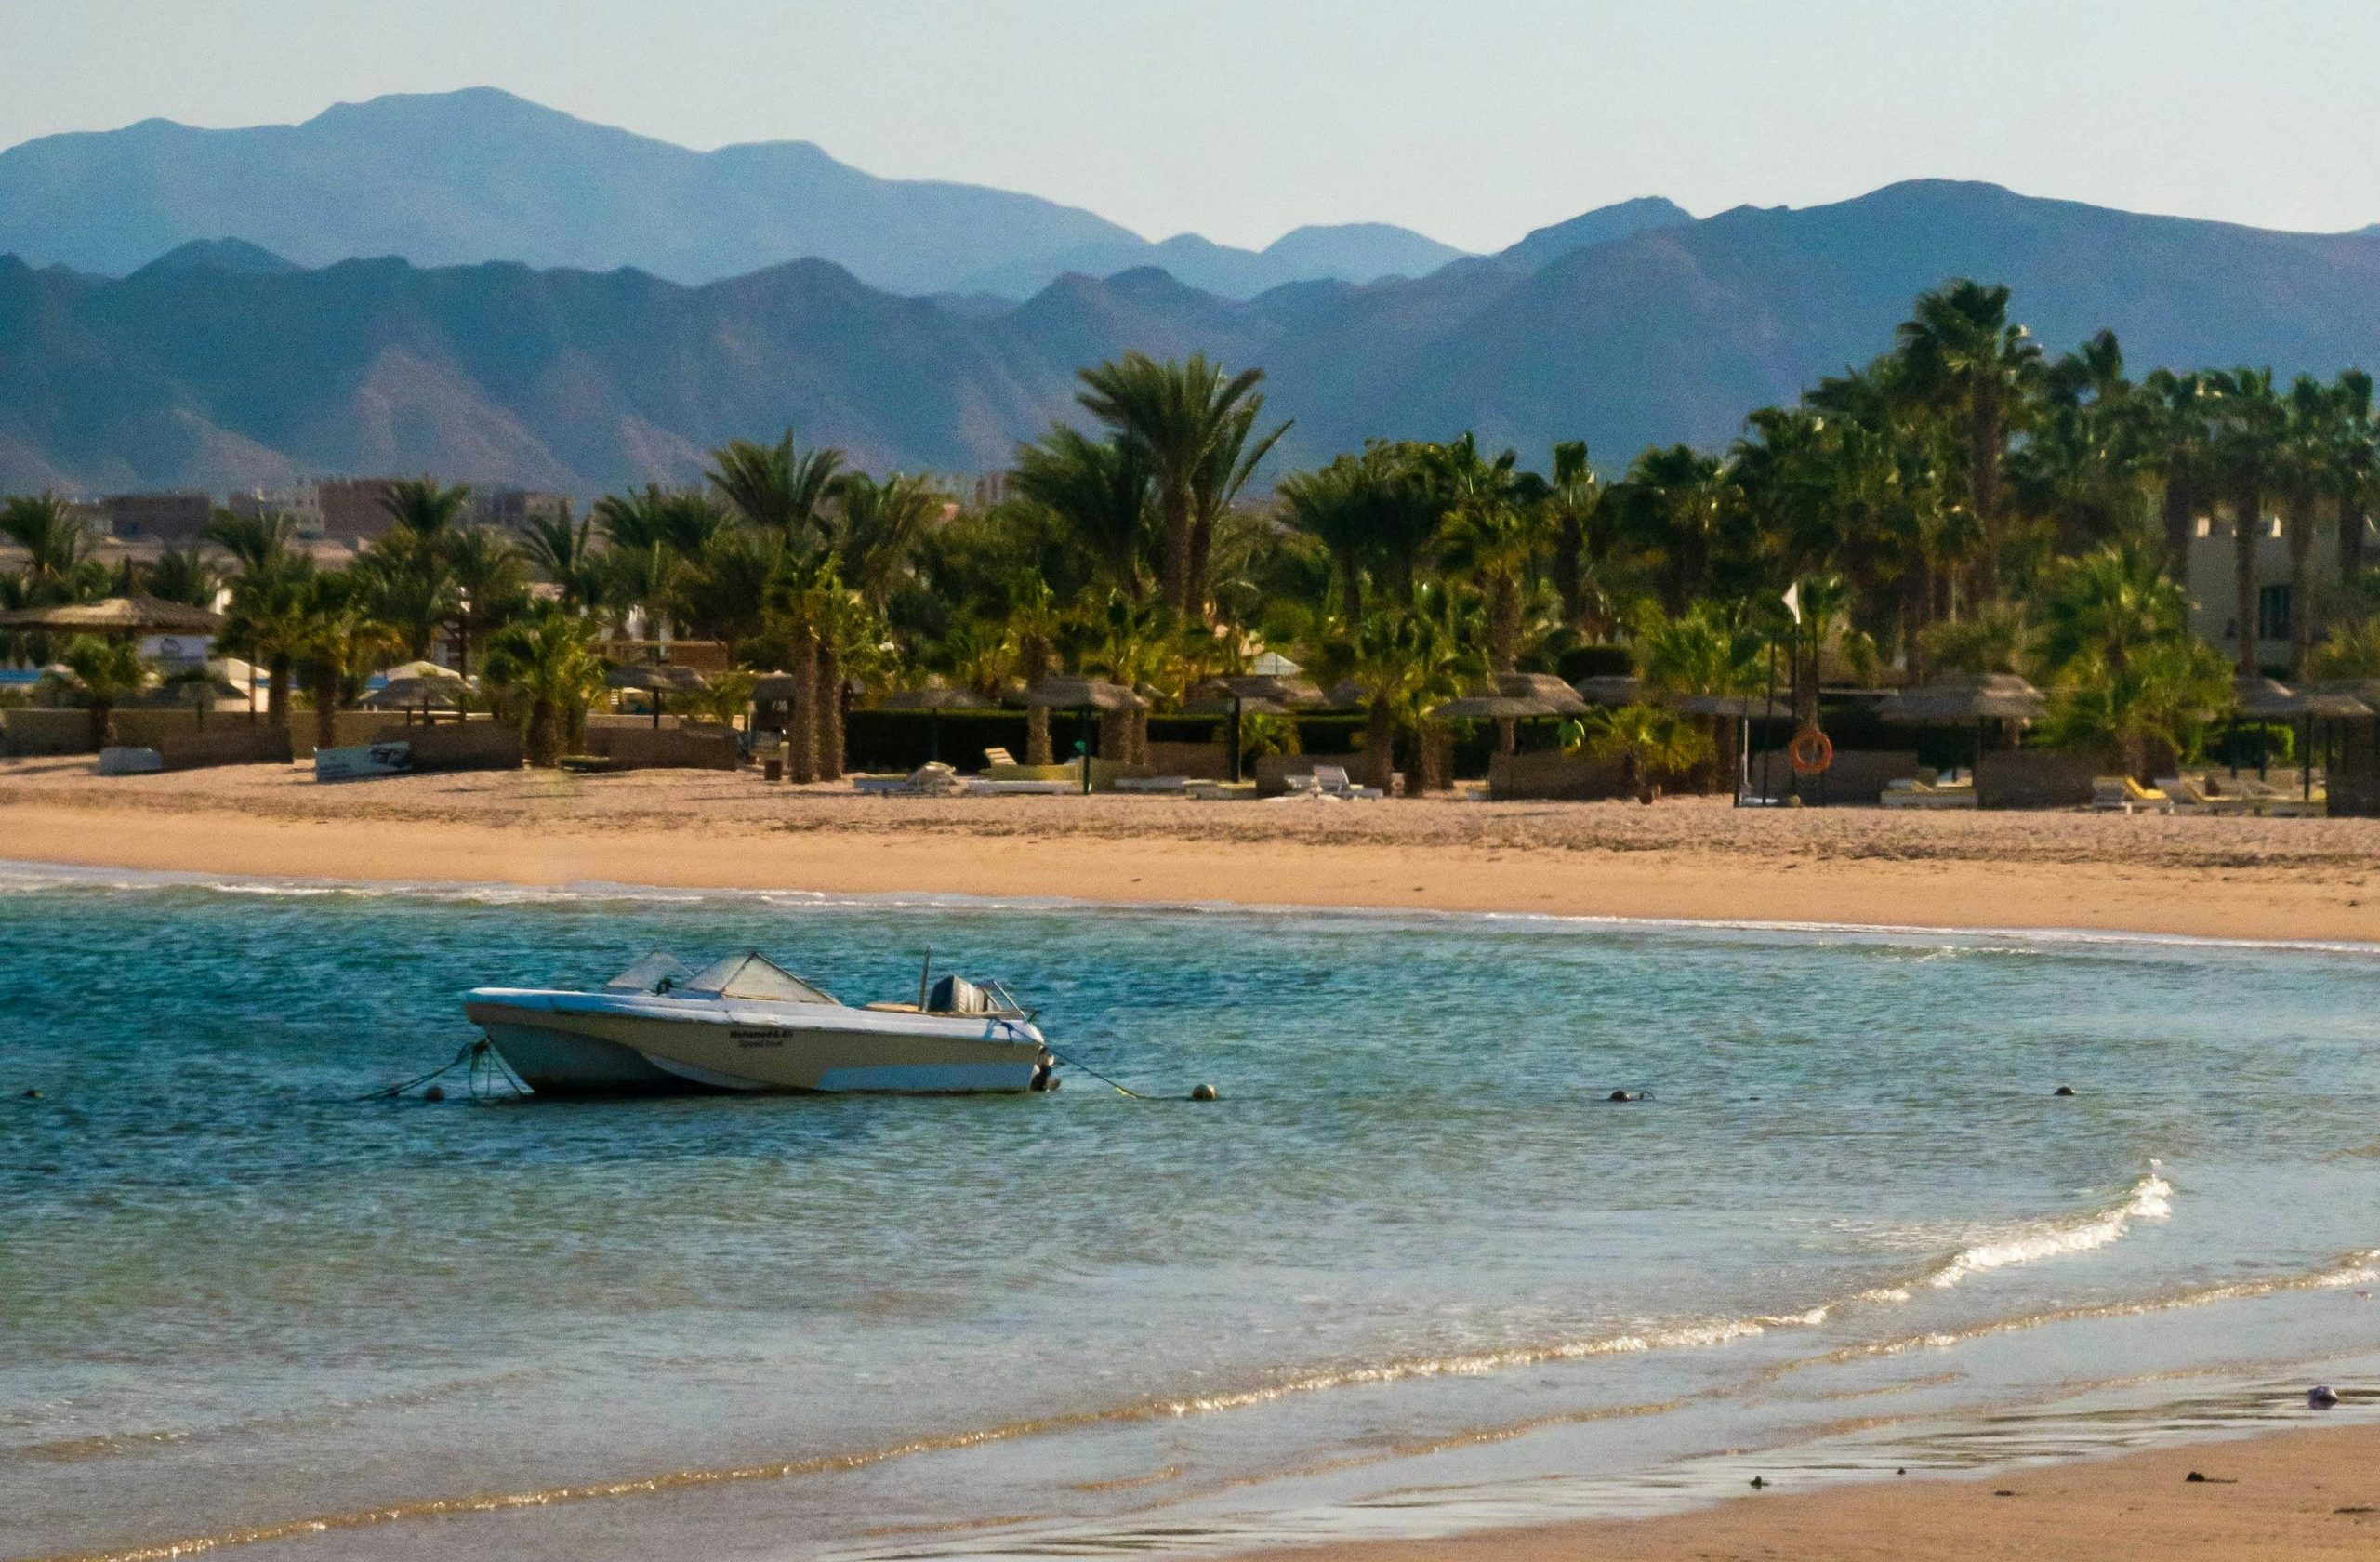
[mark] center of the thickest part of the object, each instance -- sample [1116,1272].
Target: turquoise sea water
[1412,1272]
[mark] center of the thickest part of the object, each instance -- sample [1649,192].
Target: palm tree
[1961,353]
[1403,656]
[646,533]
[1647,741]
[1099,491]
[877,529]
[1491,535]
[2250,424]
[1674,504]
[491,585]
[266,612]
[2357,454]
[338,640]
[425,506]
[774,487]
[1333,504]
[2107,607]
[563,553]
[2308,476]
[57,541]
[184,574]
[1190,424]
[108,671]
[2180,451]
[546,658]
[1034,624]
[1573,508]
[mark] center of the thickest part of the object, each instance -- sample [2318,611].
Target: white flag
[1793,600]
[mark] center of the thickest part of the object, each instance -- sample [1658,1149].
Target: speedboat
[748,1024]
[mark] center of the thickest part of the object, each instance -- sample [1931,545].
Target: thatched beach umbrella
[658,679]
[1083,695]
[1271,688]
[2266,700]
[2258,699]
[934,700]
[1611,688]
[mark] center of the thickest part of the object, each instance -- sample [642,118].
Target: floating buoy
[1205,1093]
[2321,1396]
[2063,1090]
[33,1095]
[435,1093]
[1625,1095]
[1757,1483]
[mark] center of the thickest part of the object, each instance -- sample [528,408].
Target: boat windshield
[649,974]
[756,977]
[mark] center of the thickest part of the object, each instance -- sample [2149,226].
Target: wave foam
[2149,1198]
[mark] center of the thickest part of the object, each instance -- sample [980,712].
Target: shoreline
[1690,860]
[2306,1491]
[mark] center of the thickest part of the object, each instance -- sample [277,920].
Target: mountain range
[457,177]
[224,365]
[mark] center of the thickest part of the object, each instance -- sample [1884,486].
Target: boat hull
[564,1044]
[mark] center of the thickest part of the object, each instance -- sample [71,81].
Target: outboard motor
[956,995]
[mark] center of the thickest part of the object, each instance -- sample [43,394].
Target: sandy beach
[2277,879]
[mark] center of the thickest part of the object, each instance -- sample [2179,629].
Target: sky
[1471,120]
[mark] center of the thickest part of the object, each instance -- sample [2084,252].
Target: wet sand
[2312,1494]
[2270,879]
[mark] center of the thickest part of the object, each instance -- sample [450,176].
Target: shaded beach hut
[1982,701]
[657,680]
[934,699]
[1084,696]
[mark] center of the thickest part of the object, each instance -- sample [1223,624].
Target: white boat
[746,1023]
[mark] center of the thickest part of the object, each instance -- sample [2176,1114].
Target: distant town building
[354,508]
[301,504]
[514,509]
[176,517]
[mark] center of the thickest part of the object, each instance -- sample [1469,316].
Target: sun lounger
[1919,794]
[1160,786]
[927,780]
[2122,794]
[998,756]
[1022,789]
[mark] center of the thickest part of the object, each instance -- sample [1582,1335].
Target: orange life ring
[1811,751]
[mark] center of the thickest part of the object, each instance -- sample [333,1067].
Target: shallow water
[1412,1248]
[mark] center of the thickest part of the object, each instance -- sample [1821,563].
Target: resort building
[2281,597]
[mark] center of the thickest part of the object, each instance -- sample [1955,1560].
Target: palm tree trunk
[1570,574]
[1202,555]
[277,693]
[801,721]
[545,735]
[829,708]
[102,725]
[1380,745]
[1351,589]
[2351,523]
[1173,563]
[1036,668]
[2174,507]
[327,709]
[2247,511]
[1985,443]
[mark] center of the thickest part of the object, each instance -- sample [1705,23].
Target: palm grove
[1963,504]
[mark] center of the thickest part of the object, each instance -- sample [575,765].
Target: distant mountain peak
[236,256]
[1619,221]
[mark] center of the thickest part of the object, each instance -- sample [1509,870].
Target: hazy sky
[1472,120]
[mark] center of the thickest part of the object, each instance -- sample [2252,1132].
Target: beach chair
[998,756]
[2190,796]
[2121,794]
[2148,798]
[1333,781]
